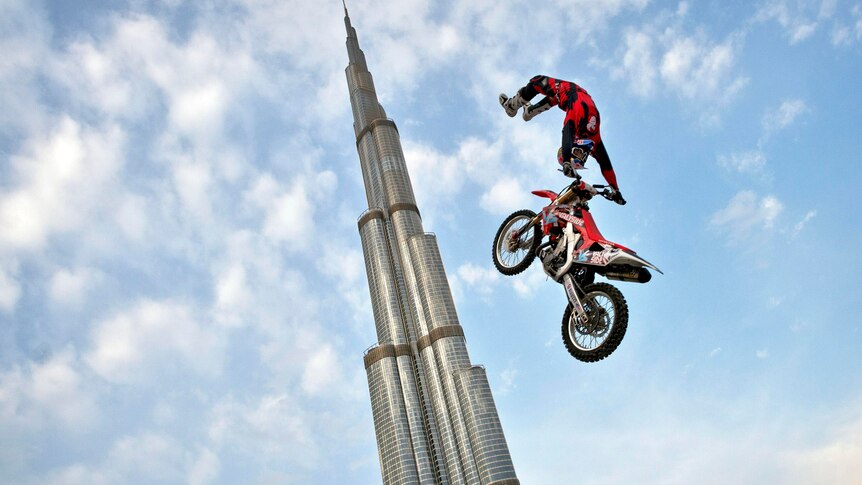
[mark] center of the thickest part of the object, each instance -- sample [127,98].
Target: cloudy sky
[182,290]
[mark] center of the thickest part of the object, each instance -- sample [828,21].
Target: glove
[617,197]
[568,171]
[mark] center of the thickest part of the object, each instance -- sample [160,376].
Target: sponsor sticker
[569,218]
[598,258]
[573,297]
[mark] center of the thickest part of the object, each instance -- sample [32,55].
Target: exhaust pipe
[634,275]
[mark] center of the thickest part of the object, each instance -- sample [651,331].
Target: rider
[581,122]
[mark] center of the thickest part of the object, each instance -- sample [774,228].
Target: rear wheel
[515,244]
[607,319]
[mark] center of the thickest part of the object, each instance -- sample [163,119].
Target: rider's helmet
[580,151]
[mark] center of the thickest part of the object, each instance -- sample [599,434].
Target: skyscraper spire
[434,416]
[354,53]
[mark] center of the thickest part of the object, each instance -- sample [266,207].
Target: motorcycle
[596,316]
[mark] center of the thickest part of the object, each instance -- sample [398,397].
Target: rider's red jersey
[579,107]
[582,118]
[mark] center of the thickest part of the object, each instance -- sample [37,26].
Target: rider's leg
[513,104]
[532,110]
[537,85]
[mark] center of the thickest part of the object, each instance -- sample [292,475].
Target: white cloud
[272,427]
[784,115]
[504,196]
[127,73]
[305,356]
[692,440]
[69,287]
[698,68]
[346,267]
[638,64]
[507,378]
[158,457]
[289,217]
[473,161]
[153,337]
[322,370]
[131,216]
[53,392]
[289,213]
[799,226]
[25,37]
[193,184]
[482,280]
[145,458]
[200,108]
[841,35]
[762,353]
[596,15]
[663,58]
[751,162]
[232,293]
[253,288]
[481,166]
[531,281]
[10,288]
[426,163]
[746,218]
[61,182]
[837,460]
[800,19]
[205,468]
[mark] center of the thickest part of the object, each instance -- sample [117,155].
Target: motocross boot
[533,110]
[513,104]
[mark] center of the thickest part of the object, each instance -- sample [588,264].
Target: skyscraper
[434,416]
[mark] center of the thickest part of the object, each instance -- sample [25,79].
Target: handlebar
[591,190]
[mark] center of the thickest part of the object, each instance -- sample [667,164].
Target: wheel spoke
[600,313]
[508,257]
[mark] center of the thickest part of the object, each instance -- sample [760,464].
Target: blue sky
[182,290]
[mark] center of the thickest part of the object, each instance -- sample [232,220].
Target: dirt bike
[596,317]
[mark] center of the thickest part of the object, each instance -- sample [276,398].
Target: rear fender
[612,256]
[629,258]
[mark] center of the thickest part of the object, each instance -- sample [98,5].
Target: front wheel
[607,319]
[515,244]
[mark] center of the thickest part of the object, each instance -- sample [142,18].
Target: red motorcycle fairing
[546,193]
[586,225]
[594,234]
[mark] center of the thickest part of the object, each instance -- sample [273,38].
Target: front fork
[572,292]
[514,242]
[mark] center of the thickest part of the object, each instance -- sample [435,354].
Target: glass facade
[483,425]
[391,426]
[434,416]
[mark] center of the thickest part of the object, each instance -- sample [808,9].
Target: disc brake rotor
[515,243]
[596,324]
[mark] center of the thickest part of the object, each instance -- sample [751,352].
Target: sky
[182,290]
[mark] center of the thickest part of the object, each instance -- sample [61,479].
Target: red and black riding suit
[582,118]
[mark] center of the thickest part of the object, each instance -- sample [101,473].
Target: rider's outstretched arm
[600,153]
[568,140]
